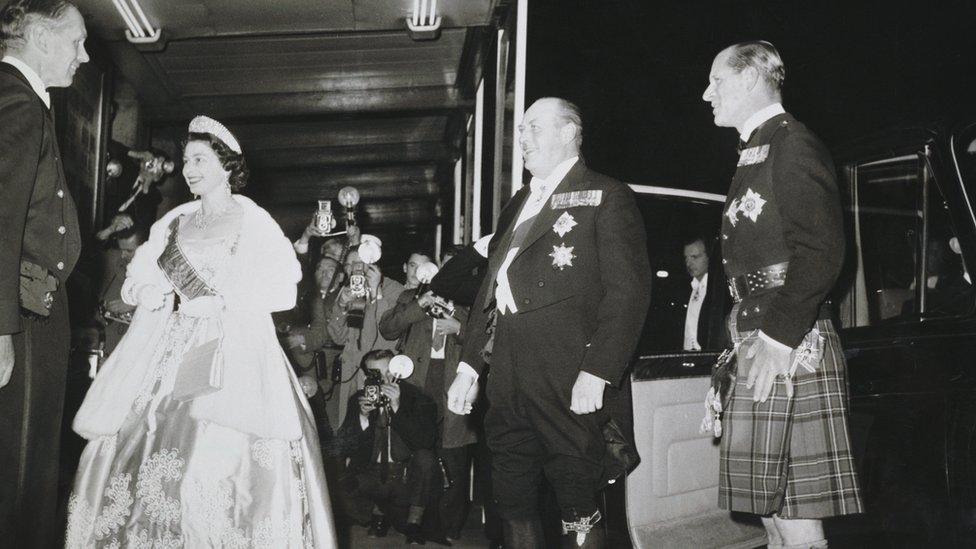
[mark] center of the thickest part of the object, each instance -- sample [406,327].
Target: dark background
[637,69]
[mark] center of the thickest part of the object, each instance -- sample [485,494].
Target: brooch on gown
[564,224]
[562,256]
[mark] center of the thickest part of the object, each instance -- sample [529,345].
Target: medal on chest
[749,205]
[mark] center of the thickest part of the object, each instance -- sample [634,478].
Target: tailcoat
[581,284]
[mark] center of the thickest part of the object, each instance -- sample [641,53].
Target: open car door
[672,496]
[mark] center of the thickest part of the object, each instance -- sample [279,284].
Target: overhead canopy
[320,93]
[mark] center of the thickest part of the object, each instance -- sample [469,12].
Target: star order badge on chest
[564,224]
[562,256]
[750,205]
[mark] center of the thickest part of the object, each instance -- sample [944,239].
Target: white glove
[207,306]
[151,297]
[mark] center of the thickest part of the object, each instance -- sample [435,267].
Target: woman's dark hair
[230,160]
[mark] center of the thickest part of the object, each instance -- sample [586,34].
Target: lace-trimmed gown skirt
[168,480]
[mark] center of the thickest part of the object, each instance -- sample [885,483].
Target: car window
[903,262]
[669,222]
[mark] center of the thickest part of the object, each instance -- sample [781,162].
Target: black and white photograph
[502,274]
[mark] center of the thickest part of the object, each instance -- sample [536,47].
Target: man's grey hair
[763,57]
[17,17]
[568,113]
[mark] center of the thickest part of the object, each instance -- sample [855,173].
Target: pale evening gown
[168,480]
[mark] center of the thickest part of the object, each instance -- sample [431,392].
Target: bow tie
[741,146]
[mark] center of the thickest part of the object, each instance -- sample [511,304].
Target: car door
[672,496]
[906,311]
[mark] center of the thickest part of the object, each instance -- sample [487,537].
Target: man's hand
[373,278]
[767,363]
[365,407]
[296,341]
[461,395]
[6,358]
[587,393]
[426,300]
[392,392]
[345,297]
[447,326]
[151,297]
[309,385]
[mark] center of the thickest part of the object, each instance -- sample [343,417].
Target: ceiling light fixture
[139,30]
[424,24]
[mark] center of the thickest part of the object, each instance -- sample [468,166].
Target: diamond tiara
[205,124]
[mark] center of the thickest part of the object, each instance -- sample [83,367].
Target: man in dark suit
[390,446]
[43,43]
[434,345]
[786,451]
[567,286]
[708,301]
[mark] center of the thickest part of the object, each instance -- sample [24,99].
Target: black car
[905,305]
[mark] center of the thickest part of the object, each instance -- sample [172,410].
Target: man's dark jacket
[414,427]
[408,322]
[784,205]
[38,223]
[604,291]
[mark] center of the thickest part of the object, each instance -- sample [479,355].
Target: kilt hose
[791,456]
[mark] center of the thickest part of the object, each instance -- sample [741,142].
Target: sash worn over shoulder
[178,270]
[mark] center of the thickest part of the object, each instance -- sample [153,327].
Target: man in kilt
[786,452]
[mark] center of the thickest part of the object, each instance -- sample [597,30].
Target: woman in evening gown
[199,434]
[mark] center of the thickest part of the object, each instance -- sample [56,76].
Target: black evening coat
[603,295]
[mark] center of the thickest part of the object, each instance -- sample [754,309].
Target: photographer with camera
[392,466]
[113,313]
[354,318]
[429,331]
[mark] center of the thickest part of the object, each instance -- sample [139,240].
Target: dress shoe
[413,533]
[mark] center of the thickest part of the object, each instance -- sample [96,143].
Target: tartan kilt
[791,456]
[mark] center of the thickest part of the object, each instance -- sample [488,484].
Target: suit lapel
[509,214]
[575,179]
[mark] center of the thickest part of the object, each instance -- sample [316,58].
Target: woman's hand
[152,297]
[207,306]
